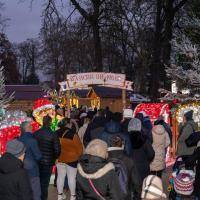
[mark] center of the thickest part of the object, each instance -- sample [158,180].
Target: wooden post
[68,100]
[124,96]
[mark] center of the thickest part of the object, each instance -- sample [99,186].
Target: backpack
[121,171]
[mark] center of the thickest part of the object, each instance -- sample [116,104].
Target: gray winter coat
[184,132]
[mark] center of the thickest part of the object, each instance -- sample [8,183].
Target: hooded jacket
[114,128]
[161,141]
[184,132]
[142,153]
[103,176]
[14,181]
[166,127]
[134,179]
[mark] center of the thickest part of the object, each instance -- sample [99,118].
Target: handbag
[95,190]
[193,139]
[183,182]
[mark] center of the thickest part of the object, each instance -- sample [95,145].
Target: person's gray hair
[23,126]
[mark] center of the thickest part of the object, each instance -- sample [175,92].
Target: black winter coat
[14,181]
[142,153]
[195,160]
[103,177]
[49,145]
[93,128]
[134,179]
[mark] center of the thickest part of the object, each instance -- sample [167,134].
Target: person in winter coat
[14,180]
[194,160]
[95,128]
[83,128]
[127,116]
[185,130]
[143,152]
[32,157]
[134,182]
[161,142]
[71,150]
[146,125]
[96,177]
[152,188]
[161,121]
[114,128]
[49,146]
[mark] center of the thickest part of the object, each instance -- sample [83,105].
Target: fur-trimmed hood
[94,167]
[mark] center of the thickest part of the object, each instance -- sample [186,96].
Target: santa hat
[42,104]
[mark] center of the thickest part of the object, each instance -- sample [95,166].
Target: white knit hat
[128,113]
[134,125]
[152,188]
[98,148]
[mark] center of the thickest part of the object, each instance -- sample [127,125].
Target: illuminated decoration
[10,126]
[41,108]
[83,80]
[74,101]
[182,109]
[154,110]
[95,103]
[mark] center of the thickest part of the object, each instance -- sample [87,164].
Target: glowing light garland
[182,109]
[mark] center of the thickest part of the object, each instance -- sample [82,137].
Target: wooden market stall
[99,97]
[24,96]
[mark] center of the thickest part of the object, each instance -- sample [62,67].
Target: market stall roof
[108,92]
[81,93]
[25,92]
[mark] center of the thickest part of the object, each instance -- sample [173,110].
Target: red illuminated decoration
[154,110]
[7,134]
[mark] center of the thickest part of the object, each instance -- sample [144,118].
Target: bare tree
[28,60]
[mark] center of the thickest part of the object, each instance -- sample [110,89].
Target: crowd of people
[99,155]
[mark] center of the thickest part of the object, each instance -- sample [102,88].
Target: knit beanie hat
[152,188]
[134,125]
[128,113]
[98,148]
[15,147]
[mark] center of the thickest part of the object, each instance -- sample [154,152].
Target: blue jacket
[32,155]
[114,128]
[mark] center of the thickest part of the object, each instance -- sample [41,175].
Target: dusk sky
[24,21]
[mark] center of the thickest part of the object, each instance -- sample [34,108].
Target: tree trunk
[168,34]
[97,48]
[155,66]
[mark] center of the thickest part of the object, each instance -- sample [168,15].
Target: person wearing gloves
[153,189]
[143,152]
[161,141]
[96,178]
[14,180]
[185,130]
